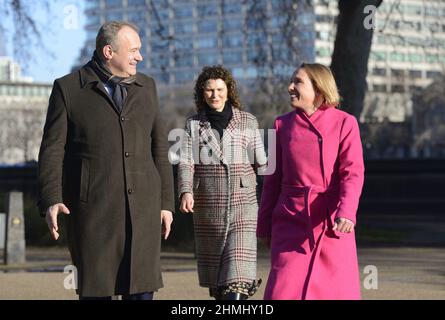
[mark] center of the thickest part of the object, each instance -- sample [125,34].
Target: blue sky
[63,36]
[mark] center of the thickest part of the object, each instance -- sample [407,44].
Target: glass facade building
[407,53]
[179,37]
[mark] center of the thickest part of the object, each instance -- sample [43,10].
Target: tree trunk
[351,52]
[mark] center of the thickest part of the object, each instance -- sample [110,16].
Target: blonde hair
[323,81]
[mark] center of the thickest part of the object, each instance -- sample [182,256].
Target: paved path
[403,273]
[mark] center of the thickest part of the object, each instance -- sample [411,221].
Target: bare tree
[275,53]
[349,59]
[26,31]
[351,53]
[430,30]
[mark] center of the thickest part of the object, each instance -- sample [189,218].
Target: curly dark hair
[216,72]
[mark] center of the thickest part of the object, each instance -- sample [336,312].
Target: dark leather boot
[218,296]
[216,293]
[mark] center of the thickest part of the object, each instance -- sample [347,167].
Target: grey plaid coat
[222,179]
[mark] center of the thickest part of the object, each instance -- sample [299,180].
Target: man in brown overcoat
[104,162]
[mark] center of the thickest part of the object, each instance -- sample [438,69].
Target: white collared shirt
[109,89]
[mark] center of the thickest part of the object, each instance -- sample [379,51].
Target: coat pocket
[84,180]
[196,184]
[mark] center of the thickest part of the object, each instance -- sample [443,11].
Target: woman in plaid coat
[217,182]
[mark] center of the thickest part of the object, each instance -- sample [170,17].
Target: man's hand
[51,218]
[187,203]
[166,221]
[343,225]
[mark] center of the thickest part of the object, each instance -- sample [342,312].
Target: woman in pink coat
[308,206]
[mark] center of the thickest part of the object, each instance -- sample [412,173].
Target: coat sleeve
[186,167]
[351,169]
[52,151]
[159,148]
[271,190]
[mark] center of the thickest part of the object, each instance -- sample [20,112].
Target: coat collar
[313,119]
[232,125]
[206,132]
[88,76]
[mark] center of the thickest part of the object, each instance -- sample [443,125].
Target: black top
[219,120]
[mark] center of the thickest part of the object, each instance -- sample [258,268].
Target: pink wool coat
[319,177]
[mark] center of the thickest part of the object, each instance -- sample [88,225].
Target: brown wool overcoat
[94,160]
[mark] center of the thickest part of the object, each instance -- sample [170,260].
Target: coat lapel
[131,93]
[208,137]
[312,119]
[312,122]
[87,76]
[232,127]
[100,88]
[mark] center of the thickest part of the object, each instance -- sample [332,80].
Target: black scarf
[219,120]
[119,84]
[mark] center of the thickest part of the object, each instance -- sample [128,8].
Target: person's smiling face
[126,56]
[301,90]
[215,94]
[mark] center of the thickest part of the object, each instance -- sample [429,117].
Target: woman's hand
[187,203]
[343,225]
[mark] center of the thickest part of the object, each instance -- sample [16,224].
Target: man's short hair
[107,35]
